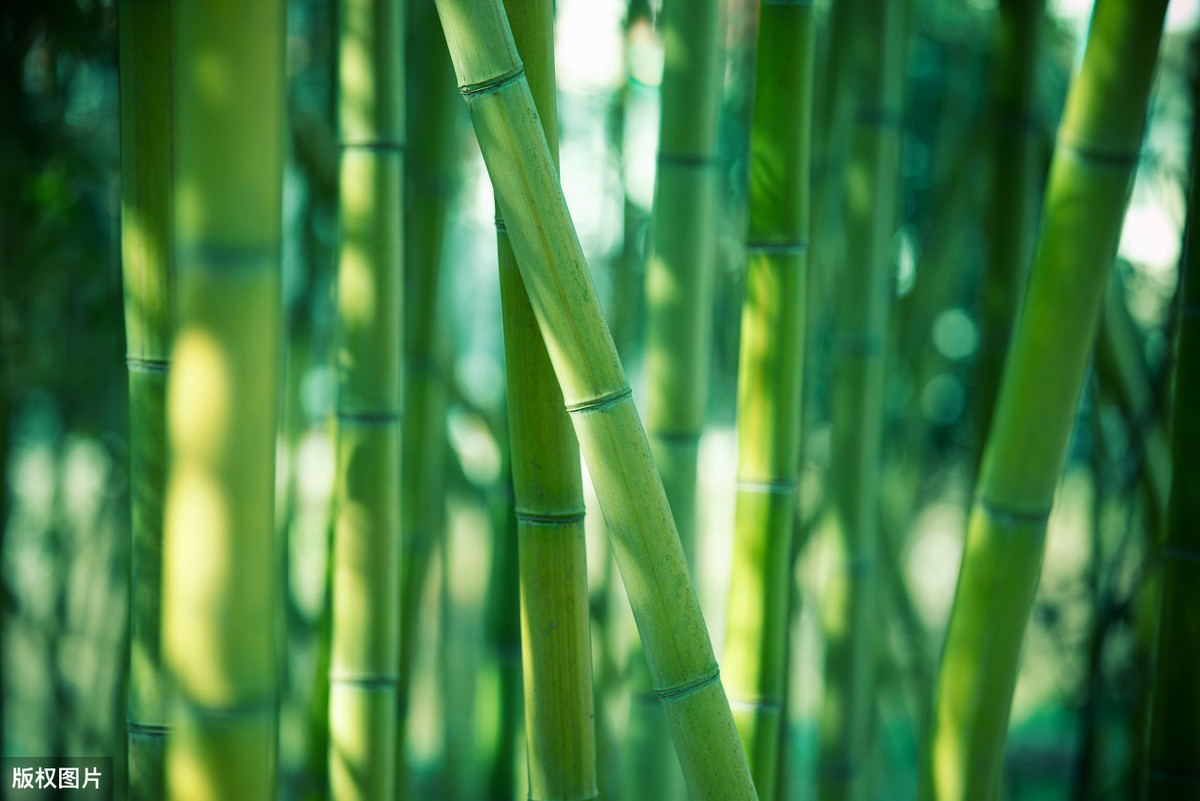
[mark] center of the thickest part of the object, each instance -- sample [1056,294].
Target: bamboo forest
[638,400]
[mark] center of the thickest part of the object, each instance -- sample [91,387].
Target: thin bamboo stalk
[1015,177]
[679,287]
[548,486]
[221,597]
[146,256]
[1174,742]
[365,649]
[769,383]
[858,352]
[596,393]
[1098,143]
[429,176]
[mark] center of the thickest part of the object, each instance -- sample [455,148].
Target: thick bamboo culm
[1098,143]
[1015,178]
[548,485]
[679,287]
[1174,745]
[146,257]
[221,593]
[365,644]
[770,370]
[429,176]
[858,348]
[596,392]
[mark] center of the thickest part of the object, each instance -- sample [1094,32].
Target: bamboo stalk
[146,245]
[679,287]
[858,351]
[430,178]
[221,597]
[548,486]
[1015,177]
[1098,143]
[596,393]
[769,383]
[1174,742]
[365,658]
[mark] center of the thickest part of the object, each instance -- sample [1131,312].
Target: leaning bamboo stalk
[365,655]
[548,487]
[146,256]
[1174,743]
[679,287]
[770,371]
[429,176]
[597,395]
[1098,143]
[1015,177]
[221,597]
[858,353]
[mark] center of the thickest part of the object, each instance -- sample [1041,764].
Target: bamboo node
[154,730]
[689,688]
[367,681]
[141,365]
[555,519]
[368,418]
[1125,160]
[493,84]
[229,258]
[767,487]
[1013,518]
[602,402]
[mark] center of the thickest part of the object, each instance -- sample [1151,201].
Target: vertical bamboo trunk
[1174,743]
[769,384]
[146,253]
[679,286]
[500,694]
[430,179]
[365,659]
[596,393]
[555,636]
[221,597]
[1098,143]
[858,352]
[1015,176]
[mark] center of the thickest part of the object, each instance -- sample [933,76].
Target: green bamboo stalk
[365,654]
[679,287]
[1015,177]
[596,393]
[146,245]
[221,595]
[430,178]
[769,383]
[1174,743]
[548,486]
[858,351]
[1098,143]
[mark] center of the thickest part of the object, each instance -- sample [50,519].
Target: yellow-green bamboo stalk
[365,655]
[596,393]
[146,256]
[221,596]
[1015,176]
[548,486]
[1098,143]
[429,176]
[769,383]
[859,347]
[1174,744]
[679,287]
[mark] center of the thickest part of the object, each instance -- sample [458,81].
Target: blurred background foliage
[64,515]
